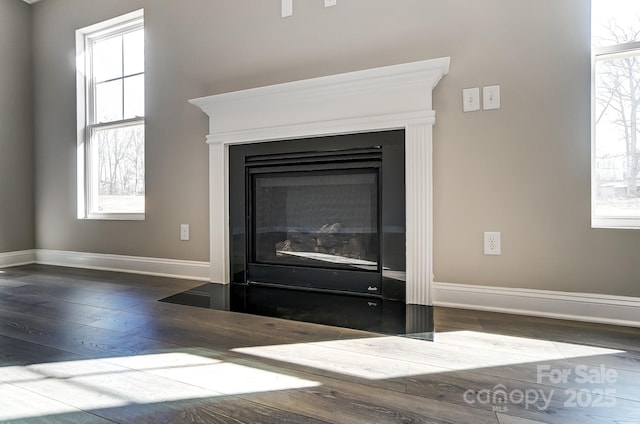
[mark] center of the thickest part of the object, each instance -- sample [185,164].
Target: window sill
[616,223]
[115,217]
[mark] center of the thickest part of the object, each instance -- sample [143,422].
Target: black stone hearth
[384,316]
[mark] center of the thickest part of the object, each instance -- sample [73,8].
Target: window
[615,169]
[111,128]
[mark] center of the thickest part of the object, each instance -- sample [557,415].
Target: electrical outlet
[329,3]
[492,243]
[184,232]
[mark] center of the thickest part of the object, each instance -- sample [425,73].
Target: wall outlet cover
[184,232]
[492,243]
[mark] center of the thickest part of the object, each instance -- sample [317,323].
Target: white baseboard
[22,257]
[190,270]
[588,307]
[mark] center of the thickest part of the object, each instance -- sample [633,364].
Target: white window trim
[83,92]
[618,222]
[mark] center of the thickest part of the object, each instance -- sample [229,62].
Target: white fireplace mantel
[391,97]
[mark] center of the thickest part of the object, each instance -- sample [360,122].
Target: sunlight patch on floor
[543,349]
[394,357]
[64,387]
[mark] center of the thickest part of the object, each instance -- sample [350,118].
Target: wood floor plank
[508,419]
[359,404]
[238,411]
[75,338]
[22,406]
[527,399]
[104,318]
[14,352]
[606,336]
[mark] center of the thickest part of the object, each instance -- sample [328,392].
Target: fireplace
[390,98]
[324,214]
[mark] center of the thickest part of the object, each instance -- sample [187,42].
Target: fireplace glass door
[324,214]
[323,218]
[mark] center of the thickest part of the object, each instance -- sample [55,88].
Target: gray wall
[522,170]
[16,137]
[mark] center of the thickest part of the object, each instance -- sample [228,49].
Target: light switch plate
[287,8]
[329,3]
[491,97]
[471,99]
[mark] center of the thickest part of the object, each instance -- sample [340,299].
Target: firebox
[324,214]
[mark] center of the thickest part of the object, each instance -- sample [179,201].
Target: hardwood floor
[80,346]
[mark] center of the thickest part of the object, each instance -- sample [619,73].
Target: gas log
[327,240]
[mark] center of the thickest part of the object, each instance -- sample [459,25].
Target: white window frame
[85,111]
[597,221]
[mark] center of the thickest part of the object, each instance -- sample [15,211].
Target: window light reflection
[66,387]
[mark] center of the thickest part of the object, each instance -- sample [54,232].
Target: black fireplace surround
[322,214]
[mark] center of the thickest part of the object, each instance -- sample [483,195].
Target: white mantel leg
[419,192]
[219,213]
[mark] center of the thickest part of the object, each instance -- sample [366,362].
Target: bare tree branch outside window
[617,110]
[121,173]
